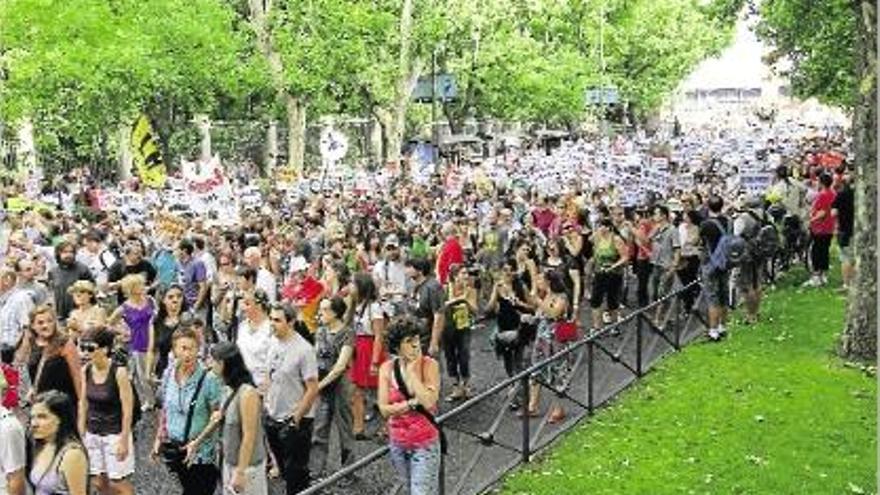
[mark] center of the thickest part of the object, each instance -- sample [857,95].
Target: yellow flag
[148,162]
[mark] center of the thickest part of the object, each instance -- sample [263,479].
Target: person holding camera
[184,439]
[409,387]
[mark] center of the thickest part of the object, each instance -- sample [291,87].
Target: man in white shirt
[12,451]
[16,304]
[96,256]
[265,279]
[390,273]
[205,257]
[291,398]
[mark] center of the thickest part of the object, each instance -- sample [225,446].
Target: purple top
[192,274]
[138,321]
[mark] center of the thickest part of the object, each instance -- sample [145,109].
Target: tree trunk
[294,107]
[27,150]
[296,132]
[859,339]
[123,172]
[376,141]
[203,123]
[271,158]
[408,75]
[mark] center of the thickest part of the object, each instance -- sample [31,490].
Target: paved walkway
[474,462]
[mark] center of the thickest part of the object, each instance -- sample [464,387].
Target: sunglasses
[88,346]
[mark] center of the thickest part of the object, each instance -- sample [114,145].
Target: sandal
[556,416]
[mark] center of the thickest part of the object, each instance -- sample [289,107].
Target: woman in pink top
[414,440]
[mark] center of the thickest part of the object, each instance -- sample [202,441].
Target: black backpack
[764,242]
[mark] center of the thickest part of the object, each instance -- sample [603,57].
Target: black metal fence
[487,438]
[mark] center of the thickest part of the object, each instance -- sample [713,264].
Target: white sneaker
[606,318]
[714,334]
[810,283]
[823,280]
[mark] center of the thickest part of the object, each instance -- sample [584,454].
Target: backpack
[765,242]
[729,252]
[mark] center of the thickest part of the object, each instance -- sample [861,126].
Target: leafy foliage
[79,68]
[814,46]
[82,67]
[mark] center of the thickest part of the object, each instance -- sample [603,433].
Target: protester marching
[245,324]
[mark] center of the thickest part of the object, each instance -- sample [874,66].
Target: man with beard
[390,274]
[131,263]
[64,275]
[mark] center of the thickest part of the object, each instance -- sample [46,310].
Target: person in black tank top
[106,416]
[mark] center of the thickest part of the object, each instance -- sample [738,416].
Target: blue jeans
[418,469]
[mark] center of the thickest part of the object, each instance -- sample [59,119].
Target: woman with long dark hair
[368,318]
[168,318]
[244,450]
[60,464]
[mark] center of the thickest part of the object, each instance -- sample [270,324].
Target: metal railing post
[526,418]
[442,470]
[590,404]
[677,310]
[639,325]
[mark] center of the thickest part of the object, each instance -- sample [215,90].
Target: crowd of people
[251,344]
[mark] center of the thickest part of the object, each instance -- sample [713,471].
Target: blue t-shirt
[166,266]
[176,399]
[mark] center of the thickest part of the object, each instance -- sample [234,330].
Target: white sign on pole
[334,144]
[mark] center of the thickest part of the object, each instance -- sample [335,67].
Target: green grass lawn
[771,410]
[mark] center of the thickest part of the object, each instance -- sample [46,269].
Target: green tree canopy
[814,46]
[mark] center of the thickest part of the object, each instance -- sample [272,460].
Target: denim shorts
[419,469]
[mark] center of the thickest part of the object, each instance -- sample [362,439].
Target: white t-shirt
[254,344]
[365,317]
[266,283]
[390,279]
[12,446]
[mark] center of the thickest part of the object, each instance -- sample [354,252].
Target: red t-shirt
[450,254]
[543,218]
[823,202]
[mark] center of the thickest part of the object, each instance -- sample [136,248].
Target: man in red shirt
[450,253]
[821,230]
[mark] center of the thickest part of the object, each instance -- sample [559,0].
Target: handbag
[565,331]
[173,452]
[401,385]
